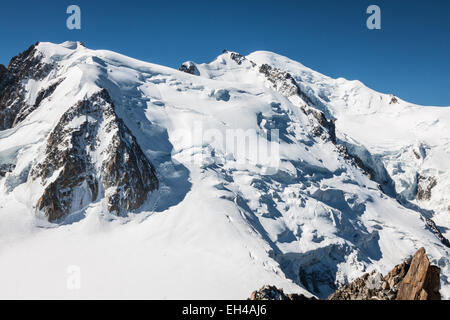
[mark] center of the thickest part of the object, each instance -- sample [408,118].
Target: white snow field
[227,219]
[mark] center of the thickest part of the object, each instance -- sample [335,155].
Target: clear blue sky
[409,57]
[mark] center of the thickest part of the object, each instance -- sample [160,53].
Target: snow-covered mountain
[212,180]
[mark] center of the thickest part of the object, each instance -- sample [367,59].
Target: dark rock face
[90,153]
[6,168]
[322,127]
[189,67]
[414,279]
[432,225]
[237,57]
[282,80]
[424,187]
[284,83]
[356,161]
[394,100]
[25,66]
[268,293]
[4,77]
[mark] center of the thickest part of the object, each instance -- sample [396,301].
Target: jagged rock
[282,80]
[321,127]
[25,66]
[6,168]
[273,293]
[394,100]
[356,161]
[237,57]
[414,279]
[189,67]
[90,153]
[417,155]
[284,83]
[424,187]
[432,225]
[422,282]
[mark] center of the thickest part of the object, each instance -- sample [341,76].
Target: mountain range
[210,181]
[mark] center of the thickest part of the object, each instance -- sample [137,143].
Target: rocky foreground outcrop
[414,279]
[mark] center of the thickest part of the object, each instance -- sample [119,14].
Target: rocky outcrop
[237,57]
[356,161]
[433,227]
[322,127]
[91,153]
[189,67]
[284,83]
[424,187]
[414,279]
[27,65]
[372,286]
[6,168]
[422,282]
[394,100]
[273,293]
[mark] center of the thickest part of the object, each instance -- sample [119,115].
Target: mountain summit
[211,180]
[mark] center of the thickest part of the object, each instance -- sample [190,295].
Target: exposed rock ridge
[284,83]
[322,127]
[90,154]
[189,67]
[25,66]
[425,186]
[432,225]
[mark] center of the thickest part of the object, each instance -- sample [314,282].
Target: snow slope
[294,212]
